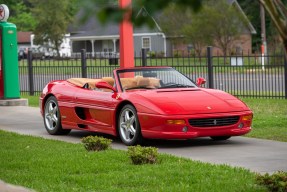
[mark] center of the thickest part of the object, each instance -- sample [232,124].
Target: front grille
[213,122]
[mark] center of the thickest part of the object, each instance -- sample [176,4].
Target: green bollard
[9,77]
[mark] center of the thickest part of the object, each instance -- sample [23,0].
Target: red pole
[126,38]
[262,49]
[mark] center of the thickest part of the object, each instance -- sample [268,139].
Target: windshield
[153,78]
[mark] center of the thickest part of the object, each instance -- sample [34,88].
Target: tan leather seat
[128,83]
[109,80]
[82,81]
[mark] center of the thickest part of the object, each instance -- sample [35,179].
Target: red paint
[126,38]
[154,108]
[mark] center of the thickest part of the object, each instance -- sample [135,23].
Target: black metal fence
[241,75]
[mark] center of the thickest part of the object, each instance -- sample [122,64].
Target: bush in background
[95,143]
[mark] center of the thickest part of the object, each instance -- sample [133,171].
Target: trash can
[113,61]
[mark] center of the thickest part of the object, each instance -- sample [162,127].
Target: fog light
[240,125]
[184,129]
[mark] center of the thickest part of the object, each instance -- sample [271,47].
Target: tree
[197,32]
[205,27]
[173,16]
[227,27]
[183,24]
[278,13]
[22,17]
[20,14]
[53,18]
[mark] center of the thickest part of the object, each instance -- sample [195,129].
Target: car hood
[192,101]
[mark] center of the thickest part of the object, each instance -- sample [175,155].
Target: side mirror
[200,81]
[105,85]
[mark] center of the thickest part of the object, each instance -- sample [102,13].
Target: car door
[98,107]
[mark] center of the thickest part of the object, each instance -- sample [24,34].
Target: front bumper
[156,127]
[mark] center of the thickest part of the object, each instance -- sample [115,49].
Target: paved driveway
[255,154]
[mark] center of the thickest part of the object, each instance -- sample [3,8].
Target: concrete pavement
[5,187]
[255,154]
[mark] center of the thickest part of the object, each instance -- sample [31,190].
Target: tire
[129,126]
[52,118]
[220,138]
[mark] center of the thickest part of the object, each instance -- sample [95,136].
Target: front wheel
[220,138]
[128,126]
[52,118]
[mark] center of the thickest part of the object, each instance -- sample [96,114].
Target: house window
[146,43]
[107,46]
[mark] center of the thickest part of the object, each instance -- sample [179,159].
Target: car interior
[127,83]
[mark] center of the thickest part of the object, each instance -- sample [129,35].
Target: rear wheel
[220,138]
[128,126]
[52,118]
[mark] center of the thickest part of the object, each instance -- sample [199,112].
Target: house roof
[24,37]
[250,26]
[93,29]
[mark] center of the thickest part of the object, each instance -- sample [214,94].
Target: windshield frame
[154,72]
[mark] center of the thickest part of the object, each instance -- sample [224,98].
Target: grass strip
[49,165]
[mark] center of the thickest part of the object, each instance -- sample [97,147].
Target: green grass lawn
[49,165]
[270,117]
[32,100]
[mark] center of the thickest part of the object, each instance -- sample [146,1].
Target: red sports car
[143,102]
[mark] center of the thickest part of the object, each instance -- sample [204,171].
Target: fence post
[84,63]
[210,67]
[30,72]
[285,72]
[144,60]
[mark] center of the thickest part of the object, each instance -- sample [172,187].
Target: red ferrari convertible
[143,102]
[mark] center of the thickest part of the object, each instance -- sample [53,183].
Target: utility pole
[263,37]
[263,28]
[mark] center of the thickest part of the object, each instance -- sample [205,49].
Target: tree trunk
[56,44]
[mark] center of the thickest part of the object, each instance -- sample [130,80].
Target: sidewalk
[4,187]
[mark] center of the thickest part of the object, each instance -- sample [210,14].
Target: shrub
[151,54]
[95,143]
[177,53]
[160,54]
[143,155]
[275,182]
[192,53]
